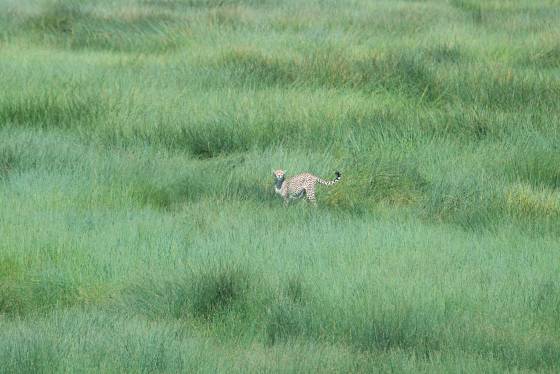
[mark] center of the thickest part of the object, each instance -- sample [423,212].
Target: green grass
[139,231]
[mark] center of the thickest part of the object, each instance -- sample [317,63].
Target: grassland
[138,227]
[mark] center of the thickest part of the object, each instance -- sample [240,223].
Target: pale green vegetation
[139,231]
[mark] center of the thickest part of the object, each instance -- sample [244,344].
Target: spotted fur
[299,185]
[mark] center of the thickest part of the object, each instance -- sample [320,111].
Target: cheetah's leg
[311,197]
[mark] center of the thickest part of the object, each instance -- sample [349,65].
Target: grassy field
[139,231]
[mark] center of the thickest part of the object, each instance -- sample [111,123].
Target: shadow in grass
[163,192]
[472,8]
[9,161]
[285,321]
[548,58]
[288,317]
[546,301]
[441,53]
[508,90]
[216,292]
[407,331]
[409,73]
[218,178]
[375,180]
[214,139]
[201,295]
[69,25]
[20,296]
[52,111]
[470,203]
[539,167]
[164,197]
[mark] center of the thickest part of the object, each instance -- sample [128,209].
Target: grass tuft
[217,291]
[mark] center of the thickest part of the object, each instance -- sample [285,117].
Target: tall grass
[139,231]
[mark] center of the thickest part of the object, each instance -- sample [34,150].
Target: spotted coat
[299,185]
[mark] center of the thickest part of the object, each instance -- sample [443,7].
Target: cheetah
[299,185]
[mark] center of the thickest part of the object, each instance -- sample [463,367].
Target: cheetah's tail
[329,183]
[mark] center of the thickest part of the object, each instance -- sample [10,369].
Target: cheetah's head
[279,174]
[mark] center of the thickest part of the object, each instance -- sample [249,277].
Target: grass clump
[202,295]
[218,291]
[46,111]
[71,25]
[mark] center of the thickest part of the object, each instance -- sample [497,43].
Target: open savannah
[139,226]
